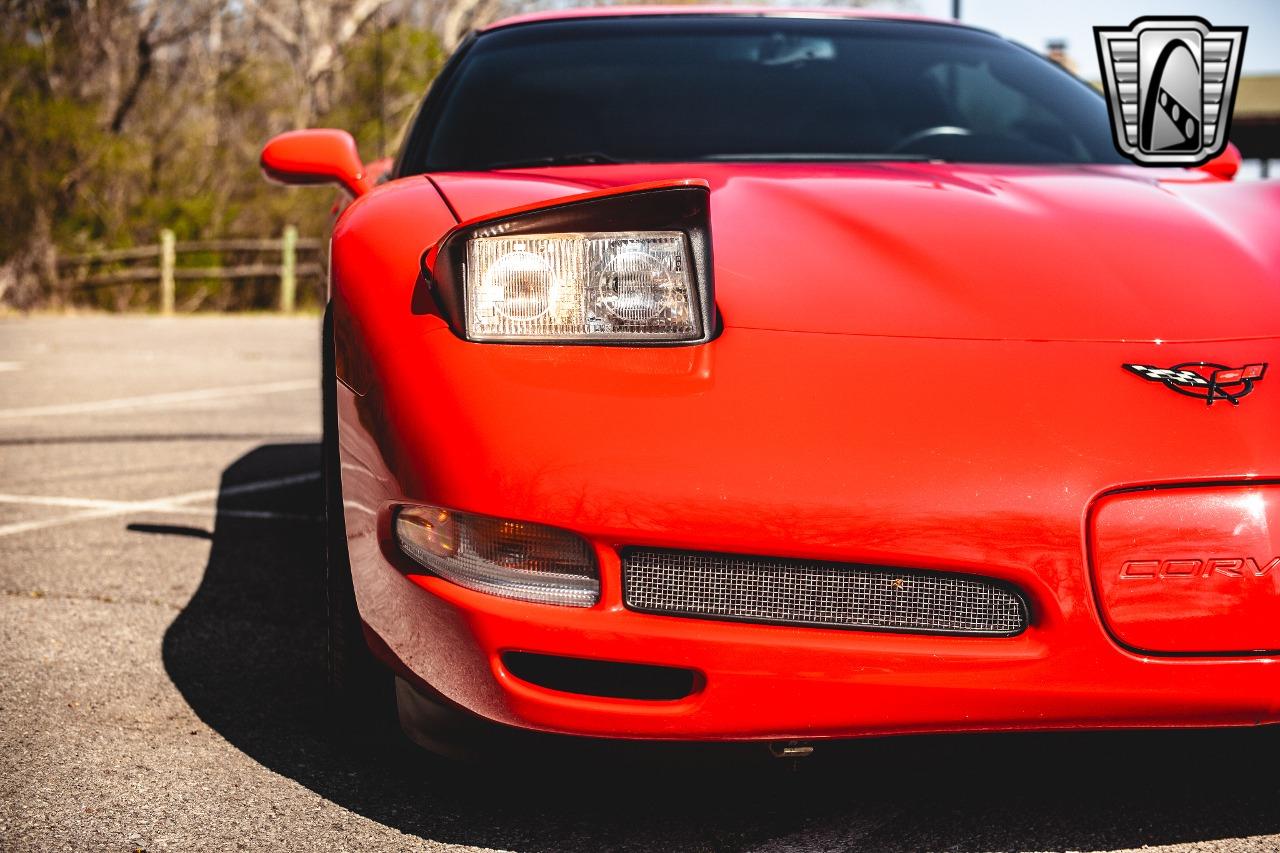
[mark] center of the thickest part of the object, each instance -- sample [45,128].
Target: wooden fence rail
[85,271]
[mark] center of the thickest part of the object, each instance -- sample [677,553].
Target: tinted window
[697,88]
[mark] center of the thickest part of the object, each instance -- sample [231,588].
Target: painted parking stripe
[48,500]
[92,508]
[146,401]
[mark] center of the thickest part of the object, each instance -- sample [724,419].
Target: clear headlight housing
[512,559]
[581,286]
[627,266]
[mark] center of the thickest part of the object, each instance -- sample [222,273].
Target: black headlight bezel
[668,206]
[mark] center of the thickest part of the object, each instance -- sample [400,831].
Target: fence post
[167,262]
[288,269]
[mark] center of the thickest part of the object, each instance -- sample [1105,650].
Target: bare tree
[461,16]
[313,36]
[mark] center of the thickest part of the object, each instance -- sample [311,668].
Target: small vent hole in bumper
[602,678]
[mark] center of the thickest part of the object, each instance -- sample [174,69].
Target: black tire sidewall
[360,688]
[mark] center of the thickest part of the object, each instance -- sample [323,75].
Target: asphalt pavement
[161,664]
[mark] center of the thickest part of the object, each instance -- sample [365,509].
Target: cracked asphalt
[161,664]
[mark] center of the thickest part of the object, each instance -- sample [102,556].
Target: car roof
[727,11]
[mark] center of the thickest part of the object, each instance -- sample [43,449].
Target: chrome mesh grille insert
[802,592]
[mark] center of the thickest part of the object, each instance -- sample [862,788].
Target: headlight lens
[512,559]
[521,286]
[582,286]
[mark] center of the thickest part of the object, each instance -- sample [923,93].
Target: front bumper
[774,682]
[732,454]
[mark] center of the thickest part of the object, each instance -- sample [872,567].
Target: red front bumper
[720,448]
[773,682]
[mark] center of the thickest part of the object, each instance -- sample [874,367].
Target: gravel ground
[161,664]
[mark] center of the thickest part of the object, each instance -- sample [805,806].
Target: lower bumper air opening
[606,679]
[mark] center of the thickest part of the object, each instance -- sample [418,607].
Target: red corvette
[713,374]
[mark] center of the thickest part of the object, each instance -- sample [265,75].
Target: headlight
[512,559]
[581,286]
[626,266]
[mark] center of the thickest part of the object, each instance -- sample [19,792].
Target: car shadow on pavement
[247,653]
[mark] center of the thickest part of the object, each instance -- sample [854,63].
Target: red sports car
[724,374]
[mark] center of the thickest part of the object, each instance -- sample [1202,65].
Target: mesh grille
[798,592]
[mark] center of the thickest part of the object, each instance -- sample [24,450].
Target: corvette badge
[1204,380]
[1170,86]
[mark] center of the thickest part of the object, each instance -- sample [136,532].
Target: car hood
[952,251]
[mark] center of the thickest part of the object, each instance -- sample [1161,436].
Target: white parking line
[45,500]
[93,508]
[25,526]
[172,398]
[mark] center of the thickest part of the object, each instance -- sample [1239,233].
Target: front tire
[360,689]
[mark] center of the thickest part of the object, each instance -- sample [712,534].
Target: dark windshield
[694,88]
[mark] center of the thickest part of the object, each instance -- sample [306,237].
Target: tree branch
[141,72]
[360,12]
[285,34]
[322,60]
